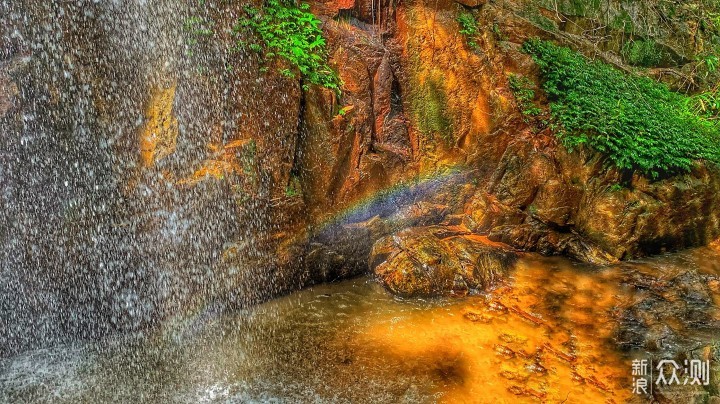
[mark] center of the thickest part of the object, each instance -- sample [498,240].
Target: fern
[639,124]
[293,33]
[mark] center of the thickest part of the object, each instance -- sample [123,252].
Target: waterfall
[91,241]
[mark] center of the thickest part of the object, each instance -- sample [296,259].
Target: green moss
[248,157]
[532,13]
[499,34]
[293,188]
[643,53]
[543,22]
[638,124]
[429,106]
[579,8]
[583,7]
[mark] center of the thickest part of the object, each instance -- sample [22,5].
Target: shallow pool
[554,331]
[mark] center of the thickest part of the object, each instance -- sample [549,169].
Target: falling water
[92,241]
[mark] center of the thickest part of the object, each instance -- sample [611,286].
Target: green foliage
[468,27]
[615,188]
[711,62]
[707,68]
[643,53]
[522,89]
[343,111]
[292,33]
[638,123]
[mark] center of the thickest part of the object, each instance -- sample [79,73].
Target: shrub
[292,33]
[522,89]
[468,27]
[639,124]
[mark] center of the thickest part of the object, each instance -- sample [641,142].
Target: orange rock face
[419,100]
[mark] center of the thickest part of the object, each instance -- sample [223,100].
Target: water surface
[554,331]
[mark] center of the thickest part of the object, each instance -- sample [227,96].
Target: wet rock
[484,212]
[521,171]
[652,217]
[420,214]
[351,149]
[555,202]
[346,4]
[430,261]
[341,251]
[562,203]
[413,104]
[648,322]
[159,136]
[538,237]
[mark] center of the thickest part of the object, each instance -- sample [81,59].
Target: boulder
[436,260]
[340,251]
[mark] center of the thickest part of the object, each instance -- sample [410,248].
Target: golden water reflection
[541,336]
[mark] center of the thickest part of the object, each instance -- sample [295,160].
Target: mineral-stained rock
[159,136]
[555,202]
[414,104]
[429,261]
[537,236]
[485,212]
[652,217]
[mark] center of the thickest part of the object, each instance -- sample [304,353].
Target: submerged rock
[429,261]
